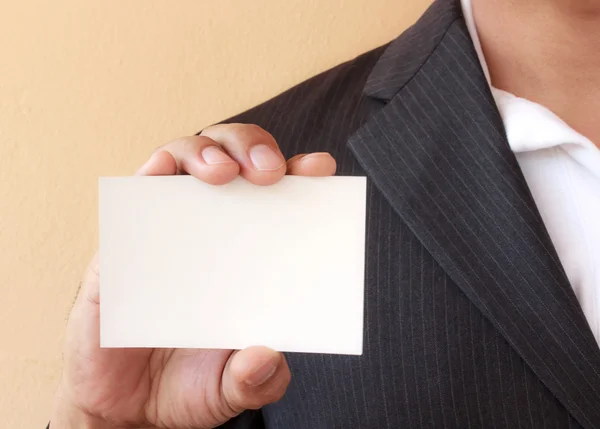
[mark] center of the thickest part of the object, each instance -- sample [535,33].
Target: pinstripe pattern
[470,321]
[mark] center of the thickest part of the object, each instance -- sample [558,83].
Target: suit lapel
[438,152]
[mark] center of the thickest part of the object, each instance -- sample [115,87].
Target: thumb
[254,377]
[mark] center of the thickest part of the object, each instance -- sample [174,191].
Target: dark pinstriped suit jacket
[470,321]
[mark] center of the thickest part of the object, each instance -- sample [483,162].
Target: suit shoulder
[319,112]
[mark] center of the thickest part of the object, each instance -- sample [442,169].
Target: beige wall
[89,88]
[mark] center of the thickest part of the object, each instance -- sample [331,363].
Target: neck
[547,51]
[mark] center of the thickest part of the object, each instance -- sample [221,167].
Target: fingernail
[213,155]
[265,159]
[262,374]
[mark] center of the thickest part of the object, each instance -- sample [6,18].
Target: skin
[177,388]
[535,49]
[547,51]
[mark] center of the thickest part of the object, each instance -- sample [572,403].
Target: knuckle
[186,142]
[200,141]
[180,140]
[251,134]
[254,128]
[168,146]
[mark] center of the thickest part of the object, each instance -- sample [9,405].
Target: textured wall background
[89,88]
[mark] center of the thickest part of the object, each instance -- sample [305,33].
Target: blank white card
[186,264]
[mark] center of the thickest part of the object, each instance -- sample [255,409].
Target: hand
[178,388]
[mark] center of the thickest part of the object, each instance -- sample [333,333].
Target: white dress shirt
[562,169]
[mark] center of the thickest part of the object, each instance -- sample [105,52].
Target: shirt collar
[529,126]
[470,21]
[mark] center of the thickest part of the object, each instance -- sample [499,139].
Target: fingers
[161,163]
[313,164]
[254,377]
[198,156]
[222,152]
[255,150]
